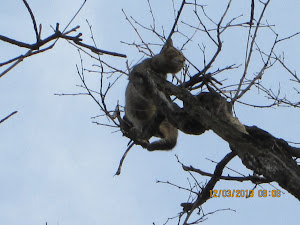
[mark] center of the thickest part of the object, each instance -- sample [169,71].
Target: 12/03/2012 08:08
[228,193]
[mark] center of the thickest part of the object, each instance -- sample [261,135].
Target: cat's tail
[168,134]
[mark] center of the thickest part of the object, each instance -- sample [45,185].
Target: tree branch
[1,121]
[204,194]
[258,150]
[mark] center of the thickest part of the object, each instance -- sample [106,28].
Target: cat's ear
[168,44]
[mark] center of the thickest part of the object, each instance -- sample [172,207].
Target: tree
[204,89]
[270,158]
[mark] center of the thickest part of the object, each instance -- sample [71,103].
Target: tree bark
[258,150]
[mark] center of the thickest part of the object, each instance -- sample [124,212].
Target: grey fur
[140,109]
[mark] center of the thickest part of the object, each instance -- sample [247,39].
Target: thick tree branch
[258,150]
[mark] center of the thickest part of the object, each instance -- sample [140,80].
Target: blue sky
[56,166]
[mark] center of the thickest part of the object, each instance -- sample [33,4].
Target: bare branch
[33,21]
[75,16]
[249,57]
[122,159]
[204,195]
[5,118]
[176,20]
[137,32]
[255,179]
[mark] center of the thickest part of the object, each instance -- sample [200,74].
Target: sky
[56,166]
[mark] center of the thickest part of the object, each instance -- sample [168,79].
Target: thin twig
[122,159]
[1,121]
[249,57]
